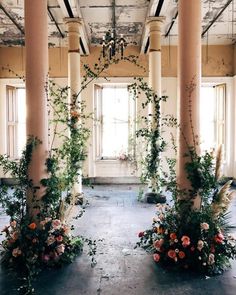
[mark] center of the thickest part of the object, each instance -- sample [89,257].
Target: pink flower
[50,240]
[16,252]
[171,254]
[204,226]
[56,224]
[158,243]
[13,223]
[60,249]
[46,257]
[156,257]
[59,238]
[185,241]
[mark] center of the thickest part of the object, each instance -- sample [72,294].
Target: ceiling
[218,21]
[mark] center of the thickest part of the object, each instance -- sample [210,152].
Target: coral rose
[185,241]
[219,238]
[156,257]
[171,254]
[32,225]
[158,243]
[181,254]
[173,236]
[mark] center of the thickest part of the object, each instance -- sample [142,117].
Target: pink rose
[158,243]
[185,241]
[56,224]
[156,257]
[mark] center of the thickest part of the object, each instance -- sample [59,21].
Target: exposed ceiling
[218,21]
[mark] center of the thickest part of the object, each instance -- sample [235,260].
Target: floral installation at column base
[197,239]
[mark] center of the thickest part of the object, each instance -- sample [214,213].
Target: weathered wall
[217,61]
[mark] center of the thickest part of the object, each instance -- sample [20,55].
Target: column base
[154,198]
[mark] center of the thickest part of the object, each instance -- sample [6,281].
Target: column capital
[73,23]
[73,27]
[154,25]
[155,22]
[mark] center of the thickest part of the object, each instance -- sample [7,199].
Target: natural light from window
[115,121]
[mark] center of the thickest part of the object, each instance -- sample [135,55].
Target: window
[212,112]
[115,114]
[16,118]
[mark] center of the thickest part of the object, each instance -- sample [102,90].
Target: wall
[218,63]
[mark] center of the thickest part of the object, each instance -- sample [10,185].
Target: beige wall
[217,61]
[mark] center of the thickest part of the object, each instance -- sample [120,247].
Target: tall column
[189,58]
[155,26]
[36,42]
[74,78]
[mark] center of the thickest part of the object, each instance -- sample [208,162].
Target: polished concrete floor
[115,216]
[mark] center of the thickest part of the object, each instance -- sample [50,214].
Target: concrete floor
[115,216]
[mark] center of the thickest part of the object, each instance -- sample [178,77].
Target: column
[189,58]
[74,78]
[36,42]
[155,26]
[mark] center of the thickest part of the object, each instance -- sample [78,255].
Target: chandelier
[111,45]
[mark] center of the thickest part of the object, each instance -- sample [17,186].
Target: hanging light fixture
[111,45]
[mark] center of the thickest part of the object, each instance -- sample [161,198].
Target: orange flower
[172,254]
[181,254]
[156,257]
[173,236]
[32,225]
[219,238]
[185,241]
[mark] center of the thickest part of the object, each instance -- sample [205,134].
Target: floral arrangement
[48,243]
[200,242]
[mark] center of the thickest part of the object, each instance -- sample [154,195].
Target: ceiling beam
[19,27]
[55,22]
[215,18]
[171,24]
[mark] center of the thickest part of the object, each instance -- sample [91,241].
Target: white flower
[211,259]
[200,245]
[60,249]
